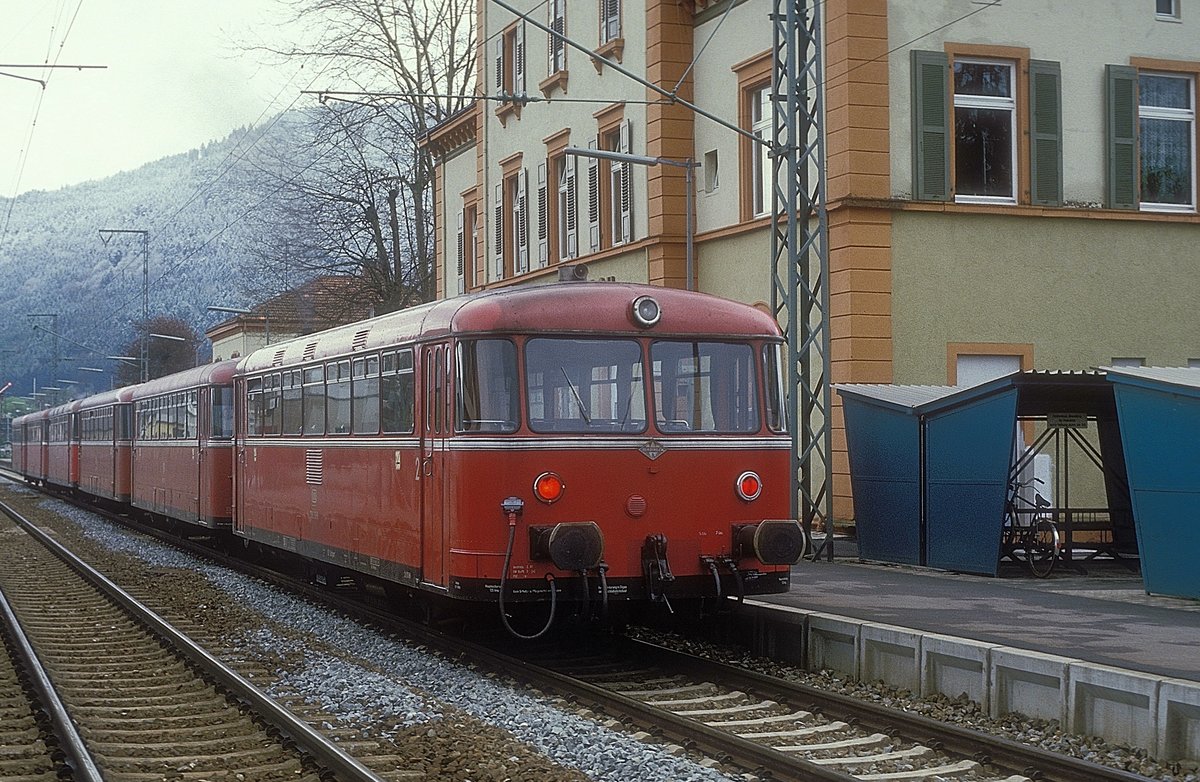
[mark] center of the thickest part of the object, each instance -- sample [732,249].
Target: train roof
[105,398]
[219,373]
[63,409]
[564,308]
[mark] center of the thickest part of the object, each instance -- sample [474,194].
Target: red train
[581,442]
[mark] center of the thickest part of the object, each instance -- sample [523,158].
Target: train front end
[641,460]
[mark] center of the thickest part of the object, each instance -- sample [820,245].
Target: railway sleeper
[795,716]
[860,742]
[796,733]
[743,708]
[960,769]
[881,757]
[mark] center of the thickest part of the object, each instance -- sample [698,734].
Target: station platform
[1089,649]
[1103,615]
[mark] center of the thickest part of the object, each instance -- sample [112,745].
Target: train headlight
[645,311]
[548,487]
[749,486]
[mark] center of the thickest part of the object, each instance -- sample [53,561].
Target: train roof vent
[310,351]
[360,339]
[278,357]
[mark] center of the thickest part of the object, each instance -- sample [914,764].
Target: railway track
[728,716]
[148,703]
[28,749]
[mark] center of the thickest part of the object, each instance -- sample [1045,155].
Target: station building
[1010,185]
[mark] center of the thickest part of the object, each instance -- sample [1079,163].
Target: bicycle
[1028,529]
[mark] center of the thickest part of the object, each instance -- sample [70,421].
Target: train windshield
[585,385]
[704,387]
[487,386]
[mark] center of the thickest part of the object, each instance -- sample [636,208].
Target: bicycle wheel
[1042,547]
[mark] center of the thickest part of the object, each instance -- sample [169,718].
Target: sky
[178,74]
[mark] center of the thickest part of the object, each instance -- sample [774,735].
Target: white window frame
[989,102]
[1170,16]
[761,170]
[557,48]
[1177,115]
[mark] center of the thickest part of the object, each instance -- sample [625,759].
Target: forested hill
[196,207]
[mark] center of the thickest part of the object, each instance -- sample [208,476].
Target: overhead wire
[23,155]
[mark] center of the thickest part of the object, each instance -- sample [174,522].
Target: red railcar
[182,445]
[105,444]
[29,445]
[62,445]
[528,443]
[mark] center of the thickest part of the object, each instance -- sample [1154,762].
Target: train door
[435,425]
[239,454]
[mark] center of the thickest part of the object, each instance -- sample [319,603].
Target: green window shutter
[1121,115]
[1045,133]
[931,126]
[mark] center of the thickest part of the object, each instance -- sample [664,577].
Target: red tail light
[548,487]
[749,486]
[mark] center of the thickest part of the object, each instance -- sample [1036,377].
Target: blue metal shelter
[1159,413]
[929,469]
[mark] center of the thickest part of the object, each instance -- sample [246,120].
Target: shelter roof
[1184,380]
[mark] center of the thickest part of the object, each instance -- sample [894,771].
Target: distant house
[319,304]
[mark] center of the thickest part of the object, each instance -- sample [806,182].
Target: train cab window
[337,391]
[314,400]
[487,386]
[397,392]
[293,416]
[254,406]
[222,412]
[364,395]
[704,387]
[585,385]
[776,410]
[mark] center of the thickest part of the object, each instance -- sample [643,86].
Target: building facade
[1009,185]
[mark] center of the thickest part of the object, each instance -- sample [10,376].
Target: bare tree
[164,356]
[357,198]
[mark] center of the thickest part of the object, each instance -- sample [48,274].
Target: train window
[190,412]
[270,404]
[364,392]
[487,386]
[314,400]
[704,387]
[222,412]
[585,385]
[396,392]
[254,406]
[773,379]
[337,389]
[292,419]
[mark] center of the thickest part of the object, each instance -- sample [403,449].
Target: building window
[987,126]
[1166,9]
[610,20]
[467,221]
[558,47]
[568,218]
[1128,361]
[620,183]
[1167,141]
[712,178]
[761,170]
[985,138]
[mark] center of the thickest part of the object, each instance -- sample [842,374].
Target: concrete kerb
[890,654]
[1114,703]
[1178,720]
[955,666]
